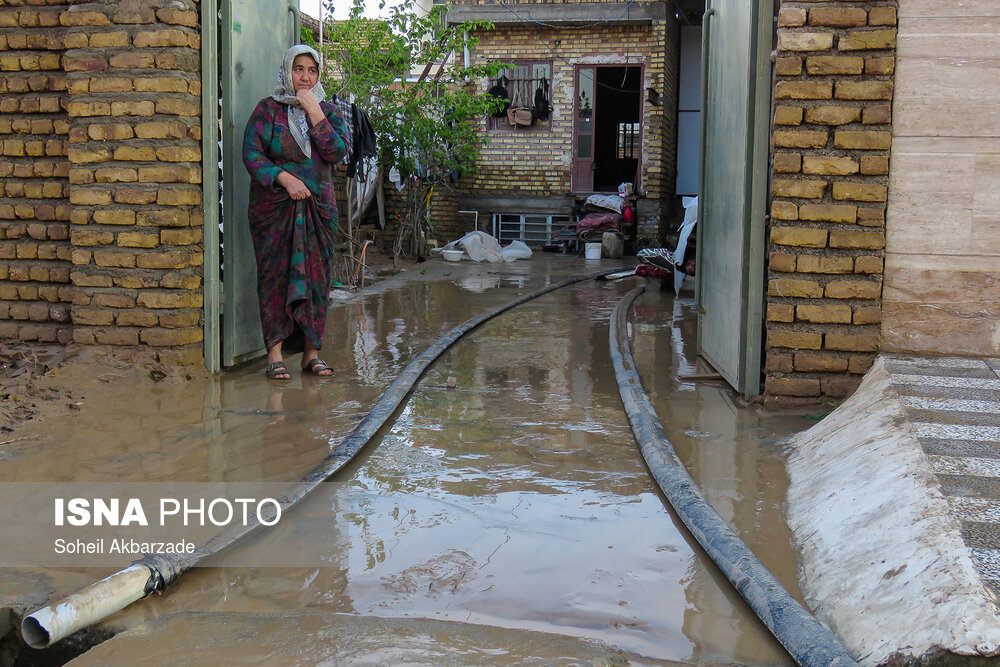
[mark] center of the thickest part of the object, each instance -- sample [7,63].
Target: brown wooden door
[583,129]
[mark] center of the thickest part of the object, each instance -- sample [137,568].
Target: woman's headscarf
[284,92]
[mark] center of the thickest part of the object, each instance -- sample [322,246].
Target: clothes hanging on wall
[362,138]
[540,108]
[500,90]
[346,108]
[362,143]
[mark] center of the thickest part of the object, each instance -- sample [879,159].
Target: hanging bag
[518,114]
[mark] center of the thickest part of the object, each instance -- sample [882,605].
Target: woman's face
[305,72]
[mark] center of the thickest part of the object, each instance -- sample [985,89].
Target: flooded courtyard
[504,515]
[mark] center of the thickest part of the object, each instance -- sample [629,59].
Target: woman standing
[291,142]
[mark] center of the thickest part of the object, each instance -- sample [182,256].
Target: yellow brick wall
[831,141]
[126,130]
[34,208]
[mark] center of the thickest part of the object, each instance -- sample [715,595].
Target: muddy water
[514,500]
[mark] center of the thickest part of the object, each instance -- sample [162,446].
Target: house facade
[942,254]
[608,74]
[874,217]
[882,225]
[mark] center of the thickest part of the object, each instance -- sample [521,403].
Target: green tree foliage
[407,72]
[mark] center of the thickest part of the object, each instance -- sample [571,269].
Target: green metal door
[736,92]
[255,35]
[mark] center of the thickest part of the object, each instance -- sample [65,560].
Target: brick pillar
[667,85]
[34,246]
[133,77]
[831,140]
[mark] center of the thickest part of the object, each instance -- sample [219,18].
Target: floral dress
[292,239]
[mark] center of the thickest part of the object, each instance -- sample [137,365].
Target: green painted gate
[252,38]
[736,90]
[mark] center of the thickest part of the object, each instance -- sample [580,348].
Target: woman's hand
[295,188]
[310,105]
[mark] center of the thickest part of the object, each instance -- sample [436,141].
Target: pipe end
[34,634]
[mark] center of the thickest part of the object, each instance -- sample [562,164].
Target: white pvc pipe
[320,37]
[47,625]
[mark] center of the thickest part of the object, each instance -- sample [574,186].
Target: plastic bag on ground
[516,250]
[481,247]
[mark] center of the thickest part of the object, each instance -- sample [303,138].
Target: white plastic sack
[516,250]
[396,178]
[481,247]
[690,220]
[610,202]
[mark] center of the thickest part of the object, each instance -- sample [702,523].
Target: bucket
[592,251]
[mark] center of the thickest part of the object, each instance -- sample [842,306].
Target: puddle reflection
[515,499]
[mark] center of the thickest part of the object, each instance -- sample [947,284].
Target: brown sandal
[277,371]
[317,367]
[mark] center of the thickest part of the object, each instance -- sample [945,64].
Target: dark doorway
[617,131]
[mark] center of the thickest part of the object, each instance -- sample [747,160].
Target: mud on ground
[24,387]
[42,379]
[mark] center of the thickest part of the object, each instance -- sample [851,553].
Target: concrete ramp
[885,563]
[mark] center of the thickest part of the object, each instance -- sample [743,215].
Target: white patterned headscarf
[284,92]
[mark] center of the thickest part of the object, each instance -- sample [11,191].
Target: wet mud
[325,639]
[505,514]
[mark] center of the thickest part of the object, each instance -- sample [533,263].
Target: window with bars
[523,83]
[628,140]
[533,229]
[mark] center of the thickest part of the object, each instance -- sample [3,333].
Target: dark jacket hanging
[540,109]
[362,142]
[499,90]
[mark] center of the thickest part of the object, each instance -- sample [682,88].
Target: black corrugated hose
[167,568]
[164,569]
[808,642]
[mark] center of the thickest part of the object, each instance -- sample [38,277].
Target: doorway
[607,146]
